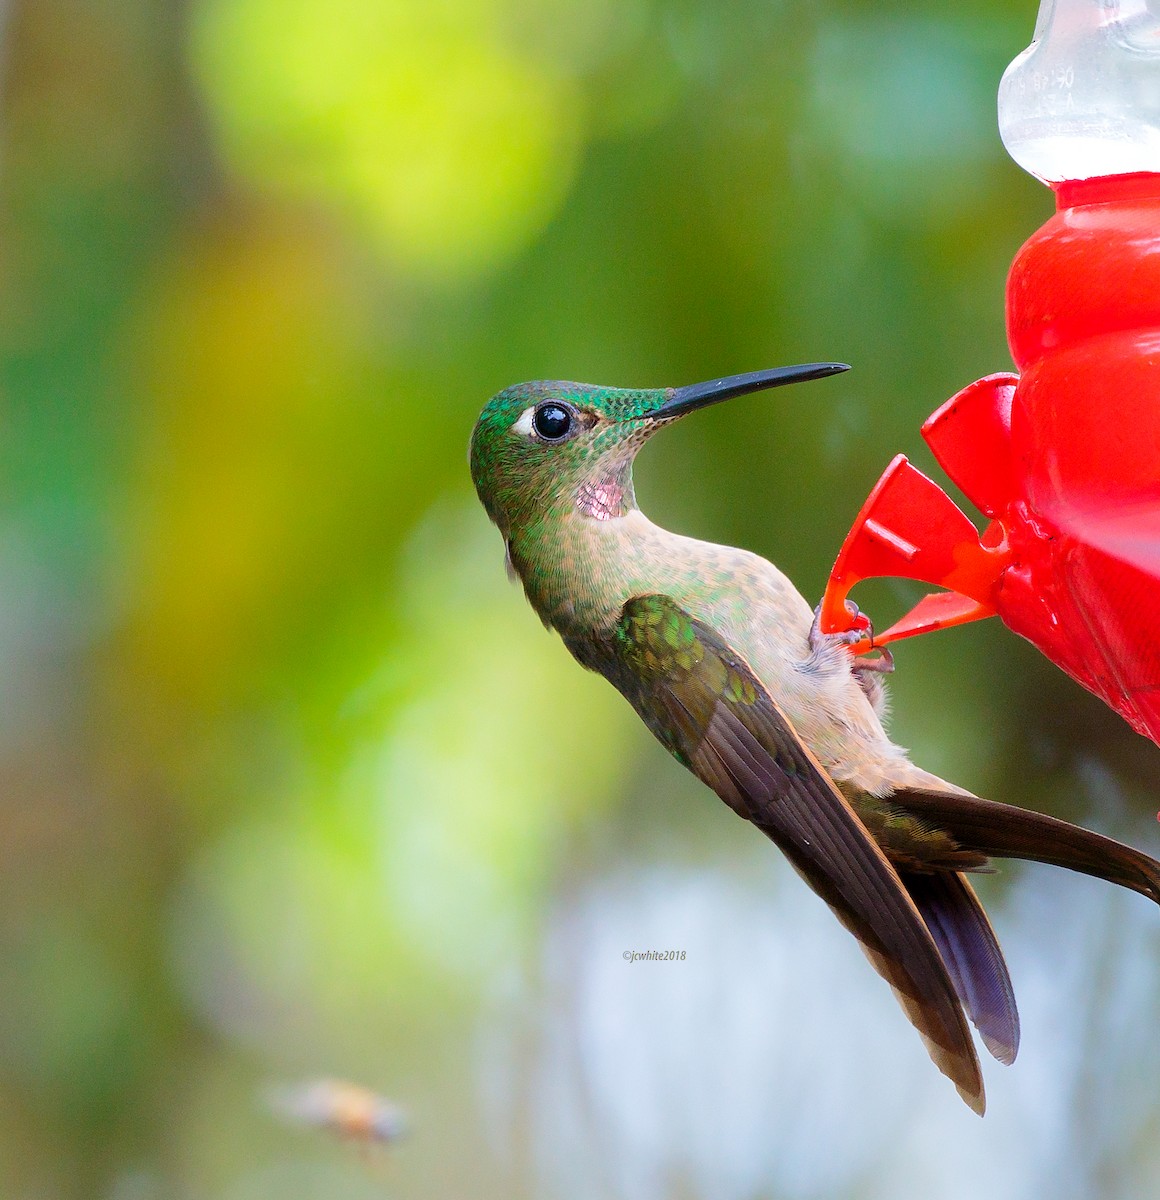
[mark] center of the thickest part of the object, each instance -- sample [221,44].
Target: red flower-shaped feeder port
[1064,460]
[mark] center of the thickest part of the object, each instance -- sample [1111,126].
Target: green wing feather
[704,703]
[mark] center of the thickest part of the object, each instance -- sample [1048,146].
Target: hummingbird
[725,662]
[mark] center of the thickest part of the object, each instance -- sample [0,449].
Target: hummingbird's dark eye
[553,422]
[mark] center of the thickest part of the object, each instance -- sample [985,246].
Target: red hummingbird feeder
[1062,459]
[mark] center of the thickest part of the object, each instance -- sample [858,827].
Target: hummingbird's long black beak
[701,395]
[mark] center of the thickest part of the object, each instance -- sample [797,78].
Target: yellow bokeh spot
[422,865]
[447,145]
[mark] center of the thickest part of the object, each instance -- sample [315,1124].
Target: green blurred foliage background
[293,784]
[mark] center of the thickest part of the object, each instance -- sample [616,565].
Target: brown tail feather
[1004,831]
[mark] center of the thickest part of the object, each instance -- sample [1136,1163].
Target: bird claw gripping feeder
[1063,458]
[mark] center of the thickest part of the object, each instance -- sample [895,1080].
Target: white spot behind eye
[524,425]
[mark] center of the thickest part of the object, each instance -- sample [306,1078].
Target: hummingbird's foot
[870,673]
[882,665]
[867,671]
[860,630]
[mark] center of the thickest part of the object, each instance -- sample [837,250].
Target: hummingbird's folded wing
[705,704]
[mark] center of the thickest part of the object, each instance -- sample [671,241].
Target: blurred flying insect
[347,1110]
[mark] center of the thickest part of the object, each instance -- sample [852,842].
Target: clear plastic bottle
[1083,100]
